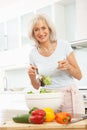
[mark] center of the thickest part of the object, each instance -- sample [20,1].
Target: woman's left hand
[63,65]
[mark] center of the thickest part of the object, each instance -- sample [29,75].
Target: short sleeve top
[48,66]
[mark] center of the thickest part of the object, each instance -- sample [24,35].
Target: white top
[48,66]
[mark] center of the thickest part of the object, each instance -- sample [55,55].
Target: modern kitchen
[69,18]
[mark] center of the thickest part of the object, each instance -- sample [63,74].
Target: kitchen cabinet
[9,35]
[81,25]
[74,19]
[24,23]
[12,33]
[46,10]
[3,37]
[15,31]
[65,19]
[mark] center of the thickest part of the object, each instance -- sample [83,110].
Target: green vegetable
[24,118]
[30,92]
[43,90]
[45,80]
[34,108]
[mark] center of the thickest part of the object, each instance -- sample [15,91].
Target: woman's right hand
[32,71]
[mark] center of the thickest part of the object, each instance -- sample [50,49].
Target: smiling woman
[54,58]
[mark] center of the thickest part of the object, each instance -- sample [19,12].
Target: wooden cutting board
[10,125]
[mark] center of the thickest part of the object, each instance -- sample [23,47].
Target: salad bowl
[44,99]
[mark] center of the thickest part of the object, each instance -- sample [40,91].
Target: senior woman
[55,58]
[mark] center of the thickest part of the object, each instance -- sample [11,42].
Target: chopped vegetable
[30,92]
[43,90]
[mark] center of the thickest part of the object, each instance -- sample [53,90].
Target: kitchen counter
[10,125]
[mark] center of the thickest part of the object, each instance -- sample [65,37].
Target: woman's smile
[41,31]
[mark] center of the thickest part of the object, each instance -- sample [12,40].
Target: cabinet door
[12,33]
[65,19]
[3,37]
[45,10]
[25,22]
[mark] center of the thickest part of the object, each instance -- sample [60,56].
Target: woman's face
[41,32]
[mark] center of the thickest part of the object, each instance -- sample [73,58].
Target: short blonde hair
[49,24]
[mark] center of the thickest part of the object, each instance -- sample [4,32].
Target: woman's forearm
[35,83]
[76,73]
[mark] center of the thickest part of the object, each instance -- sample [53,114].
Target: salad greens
[45,80]
[30,92]
[42,90]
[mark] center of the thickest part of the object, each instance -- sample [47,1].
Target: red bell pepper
[38,112]
[32,109]
[37,119]
[37,116]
